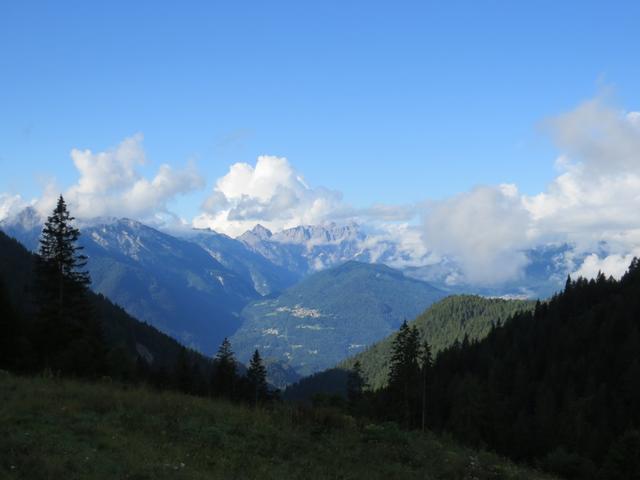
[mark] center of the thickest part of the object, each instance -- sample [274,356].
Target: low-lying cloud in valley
[593,204]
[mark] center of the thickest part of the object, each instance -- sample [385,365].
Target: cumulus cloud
[615,265]
[110,184]
[593,204]
[484,231]
[271,193]
[11,205]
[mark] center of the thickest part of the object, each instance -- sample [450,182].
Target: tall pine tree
[257,377]
[426,363]
[356,385]
[224,372]
[70,337]
[404,372]
[8,329]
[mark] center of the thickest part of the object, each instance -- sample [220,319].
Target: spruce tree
[224,376]
[355,386]
[183,378]
[404,370]
[70,338]
[8,329]
[426,362]
[257,377]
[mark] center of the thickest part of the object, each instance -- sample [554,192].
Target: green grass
[61,429]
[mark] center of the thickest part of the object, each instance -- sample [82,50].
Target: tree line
[60,329]
[557,386]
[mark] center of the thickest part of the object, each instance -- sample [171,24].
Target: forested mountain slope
[561,383]
[330,315]
[448,321]
[442,324]
[166,281]
[129,341]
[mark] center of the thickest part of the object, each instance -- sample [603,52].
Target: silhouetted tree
[355,385]
[404,371]
[70,338]
[224,371]
[557,385]
[8,329]
[426,362]
[257,378]
[183,376]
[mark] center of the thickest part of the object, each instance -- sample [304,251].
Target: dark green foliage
[355,384]
[257,378]
[224,378]
[623,459]
[559,384]
[426,364]
[60,252]
[68,336]
[183,377]
[9,330]
[135,351]
[404,372]
[440,325]
[330,382]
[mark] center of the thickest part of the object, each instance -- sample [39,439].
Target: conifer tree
[8,329]
[70,338]
[224,376]
[257,376]
[59,250]
[356,385]
[183,380]
[426,362]
[404,370]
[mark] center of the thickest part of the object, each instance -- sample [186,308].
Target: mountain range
[200,286]
[128,340]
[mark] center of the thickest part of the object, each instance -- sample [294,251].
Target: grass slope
[441,325]
[65,429]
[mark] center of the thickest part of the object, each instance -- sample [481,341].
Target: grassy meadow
[63,429]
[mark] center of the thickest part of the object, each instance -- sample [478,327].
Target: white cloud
[615,265]
[271,193]
[10,205]
[109,184]
[593,204]
[602,138]
[597,196]
[484,231]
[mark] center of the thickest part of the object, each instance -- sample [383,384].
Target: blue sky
[388,102]
[475,129]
